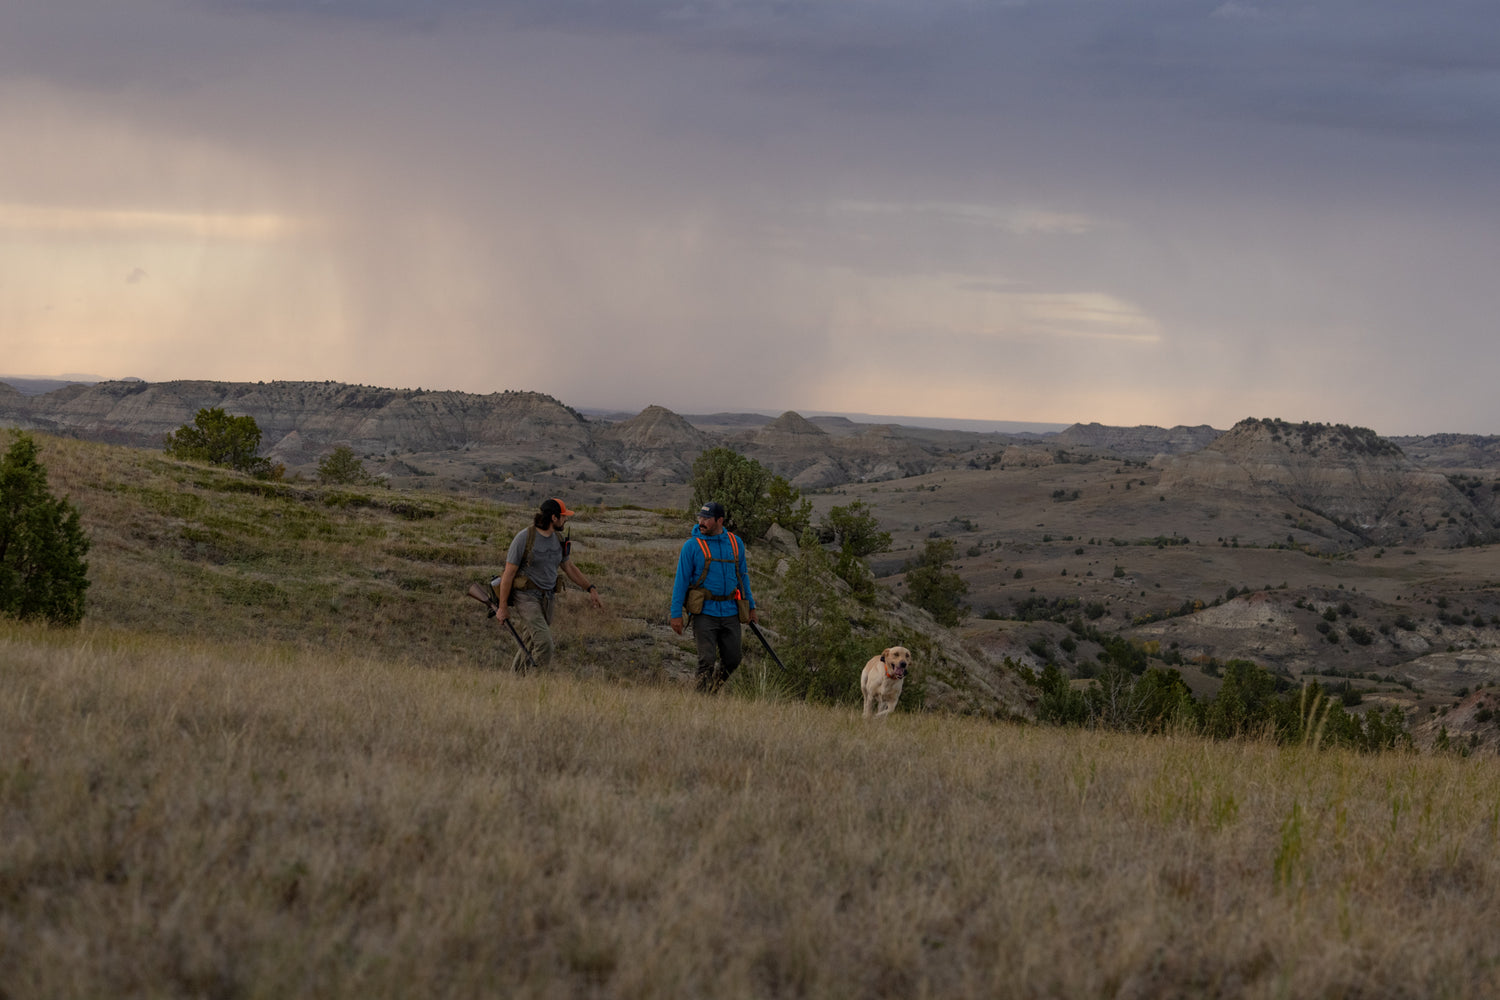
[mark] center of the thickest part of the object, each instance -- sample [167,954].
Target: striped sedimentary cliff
[1349,476]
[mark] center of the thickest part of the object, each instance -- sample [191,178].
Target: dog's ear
[883,654]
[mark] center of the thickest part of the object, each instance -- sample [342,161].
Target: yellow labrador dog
[882,678]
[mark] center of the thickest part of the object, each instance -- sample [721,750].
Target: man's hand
[754,617]
[677,625]
[503,591]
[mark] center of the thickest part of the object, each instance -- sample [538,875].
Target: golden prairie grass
[255,820]
[189,550]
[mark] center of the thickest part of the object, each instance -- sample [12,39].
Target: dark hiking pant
[718,640]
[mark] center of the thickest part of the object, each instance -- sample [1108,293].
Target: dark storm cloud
[1138,193]
[1375,65]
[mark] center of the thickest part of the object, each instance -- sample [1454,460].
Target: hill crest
[1349,475]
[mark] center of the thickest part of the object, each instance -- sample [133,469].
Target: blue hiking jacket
[721,575]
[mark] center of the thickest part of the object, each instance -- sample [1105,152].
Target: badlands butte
[1318,551]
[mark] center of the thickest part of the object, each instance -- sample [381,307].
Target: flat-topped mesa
[1333,441]
[1350,476]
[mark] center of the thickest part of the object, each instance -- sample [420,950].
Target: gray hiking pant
[531,614]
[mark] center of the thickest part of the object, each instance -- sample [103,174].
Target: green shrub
[219,439]
[42,570]
[341,467]
[858,535]
[754,498]
[932,585]
[818,644]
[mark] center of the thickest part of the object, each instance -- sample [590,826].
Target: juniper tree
[42,569]
[858,534]
[818,642]
[342,467]
[753,495]
[219,439]
[933,585]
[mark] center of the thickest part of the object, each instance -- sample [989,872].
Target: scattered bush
[818,644]
[341,467]
[858,535]
[754,498]
[42,569]
[219,439]
[931,583]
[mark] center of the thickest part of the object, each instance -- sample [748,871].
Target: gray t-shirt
[546,558]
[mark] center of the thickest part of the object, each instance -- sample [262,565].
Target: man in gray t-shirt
[528,585]
[546,556]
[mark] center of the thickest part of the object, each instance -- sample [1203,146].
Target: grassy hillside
[188,550]
[184,817]
[1157,563]
[278,759]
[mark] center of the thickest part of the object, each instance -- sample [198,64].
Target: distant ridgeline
[301,420]
[1365,484]
[523,433]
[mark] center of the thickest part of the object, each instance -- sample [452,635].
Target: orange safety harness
[708,561]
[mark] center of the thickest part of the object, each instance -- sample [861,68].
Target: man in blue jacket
[712,569]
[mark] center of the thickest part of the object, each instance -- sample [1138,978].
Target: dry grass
[191,819]
[187,550]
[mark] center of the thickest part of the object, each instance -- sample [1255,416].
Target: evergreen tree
[42,569]
[785,506]
[1245,703]
[342,467]
[858,534]
[753,496]
[219,439]
[819,646]
[933,585]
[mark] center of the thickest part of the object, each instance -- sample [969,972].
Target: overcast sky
[1130,211]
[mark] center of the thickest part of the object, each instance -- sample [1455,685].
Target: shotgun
[486,596]
[756,629]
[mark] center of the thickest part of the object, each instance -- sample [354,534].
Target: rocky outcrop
[790,426]
[1452,451]
[1349,476]
[133,413]
[1136,442]
[656,445]
[300,421]
[12,400]
[811,458]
